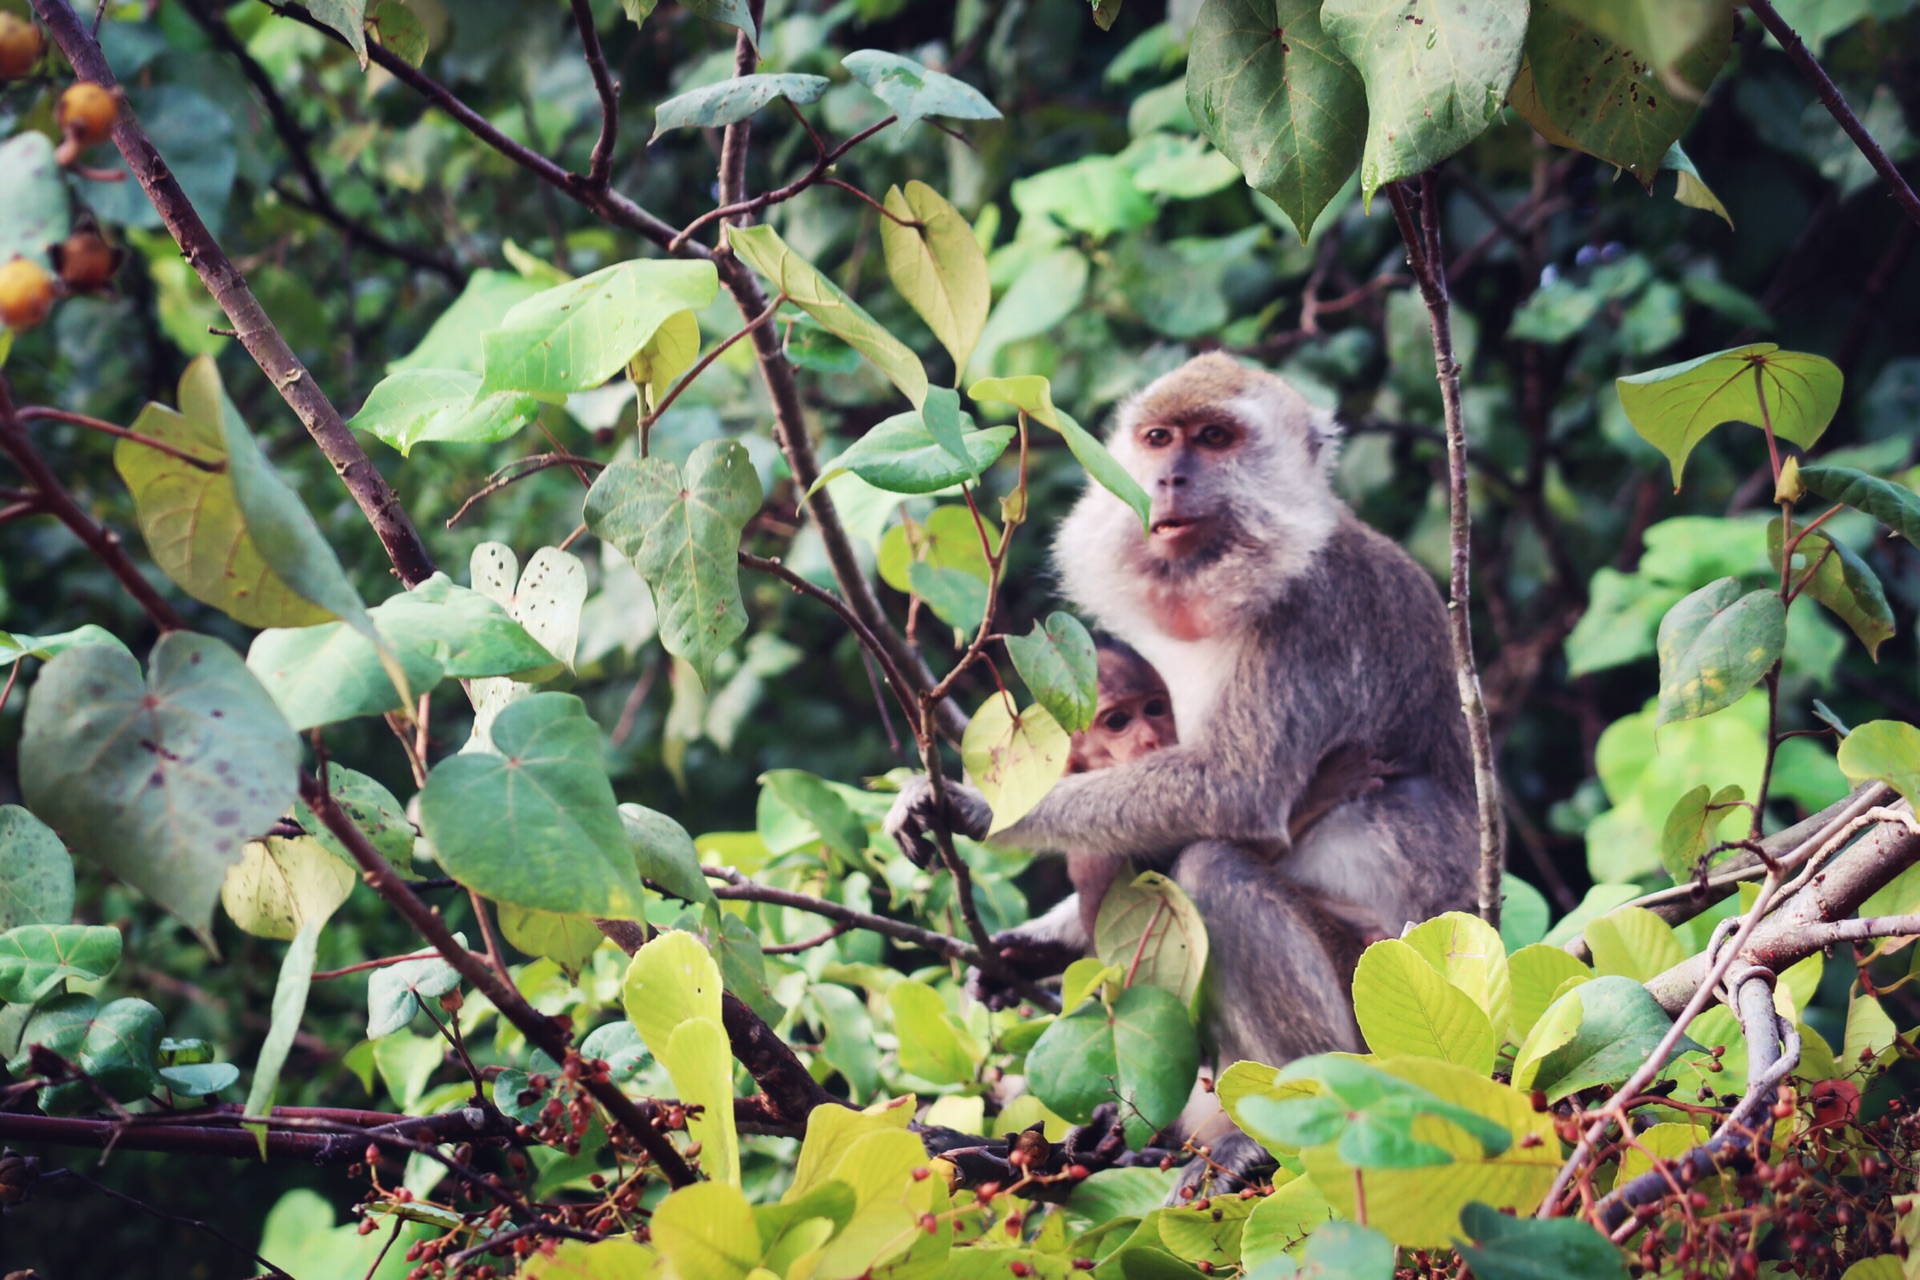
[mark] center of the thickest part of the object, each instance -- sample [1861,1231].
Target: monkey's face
[1135,716]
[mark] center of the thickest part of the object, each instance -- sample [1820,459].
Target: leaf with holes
[683,535]
[714,106]
[575,336]
[405,409]
[162,780]
[35,959]
[938,266]
[1273,92]
[1058,661]
[1150,930]
[1033,396]
[546,601]
[535,825]
[1013,759]
[913,92]
[1884,751]
[1675,407]
[36,873]
[1840,580]
[1715,645]
[1436,76]
[762,249]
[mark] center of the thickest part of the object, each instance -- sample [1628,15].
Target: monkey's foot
[1032,1168]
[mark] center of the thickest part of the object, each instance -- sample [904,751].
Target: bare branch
[600,164]
[41,413]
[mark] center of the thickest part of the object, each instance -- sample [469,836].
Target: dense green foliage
[632,672]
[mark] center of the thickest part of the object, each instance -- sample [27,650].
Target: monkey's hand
[915,813]
[1025,952]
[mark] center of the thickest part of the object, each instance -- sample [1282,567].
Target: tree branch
[600,164]
[337,1146]
[250,321]
[1423,255]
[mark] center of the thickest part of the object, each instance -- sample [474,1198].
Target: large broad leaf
[453,341]
[1273,92]
[1632,942]
[116,1045]
[1468,952]
[1598,1033]
[1838,578]
[712,106]
[947,539]
[933,1043]
[161,781]
[762,249]
[900,455]
[1436,76]
[1142,1051]
[1539,973]
[535,825]
[1152,933]
[1715,645]
[35,213]
[577,335]
[1884,751]
[37,959]
[1511,1248]
[913,92]
[1693,825]
[938,266]
[1033,396]
[1675,407]
[665,854]
[1404,1007]
[1013,759]
[1892,505]
[683,535]
[1060,665]
[672,997]
[280,885]
[706,1232]
[36,874]
[441,404]
[1373,1119]
[194,524]
[1594,92]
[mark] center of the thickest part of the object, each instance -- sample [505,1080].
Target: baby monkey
[1134,718]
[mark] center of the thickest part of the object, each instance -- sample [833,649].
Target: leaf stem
[42,413]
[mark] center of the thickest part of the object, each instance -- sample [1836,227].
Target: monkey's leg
[1280,969]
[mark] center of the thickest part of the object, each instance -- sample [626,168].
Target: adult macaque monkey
[1287,631]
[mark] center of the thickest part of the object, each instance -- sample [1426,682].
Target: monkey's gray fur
[1285,630]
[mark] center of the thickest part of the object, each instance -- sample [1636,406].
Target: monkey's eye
[1154,708]
[1156,437]
[1214,436]
[1118,721]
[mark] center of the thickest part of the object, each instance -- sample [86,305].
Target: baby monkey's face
[1135,715]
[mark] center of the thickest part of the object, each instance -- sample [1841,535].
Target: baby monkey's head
[1135,715]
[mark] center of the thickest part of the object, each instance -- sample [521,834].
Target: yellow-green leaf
[699,1058]
[281,884]
[706,1232]
[1013,759]
[1676,406]
[1632,942]
[1884,751]
[1404,1007]
[670,352]
[938,266]
[1539,971]
[1467,951]
[1033,396]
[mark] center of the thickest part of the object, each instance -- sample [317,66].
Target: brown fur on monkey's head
[1135,713]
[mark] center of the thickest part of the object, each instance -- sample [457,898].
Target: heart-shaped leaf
[1692,826]
[913,92]
[1715,645]
[535,825]
[1061,667]
[1675,407]
[36,873]
[1142,1051]
[1013,759]
[1272,90]
[161,781]
[714,106]
[937,264]
[405,409]
[35,959]
[683,535]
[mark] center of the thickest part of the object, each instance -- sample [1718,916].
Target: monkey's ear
[1323,437]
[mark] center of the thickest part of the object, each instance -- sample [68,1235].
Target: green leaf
[1468,952]
[1369,1114]
[36,874]
[1884,751]
[913,92]
[535,825]
[567,940]
[900,455]
[162,780]
[1676,406]
[665,854]
[1058,661]
[1013,759]
[1524,914]
[1632,942]
[399,31]
[329,673]
[1843,582]
[1152,932]
[280,884]
[1889,503]
[396,992]
[947,539]
[813,801]
[683,535]
[15,647]
[34,210]
[1142,1051]
[1600,92]
[1033,396]
[1539,972]
[289,1005]
[932,1044]
[1522,1248]
[407,408]
[116,1045]
[1693,826]
[707,1232]
[35,959]
[1210,1235]
[938,266]
[1436,76]
[713,106]
[1604,1030]
[1404,1006]
[732,13]
[1072,1067]
[465,631]
[670,352]
[1691,189]
[1715,645]
[956,597]
[349,19]
[762,249]
[1272,90]
[453,341]
[373,809]
[575,336]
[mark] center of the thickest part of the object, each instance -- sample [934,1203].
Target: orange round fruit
[26,294]
[86,113]
[21,46]
[86,262]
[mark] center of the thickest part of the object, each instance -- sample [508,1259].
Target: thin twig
[741,208]
[177,1219]
[699,367]
[600,164]
[518,470]
[35,412]
[805,944]
[903,692]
